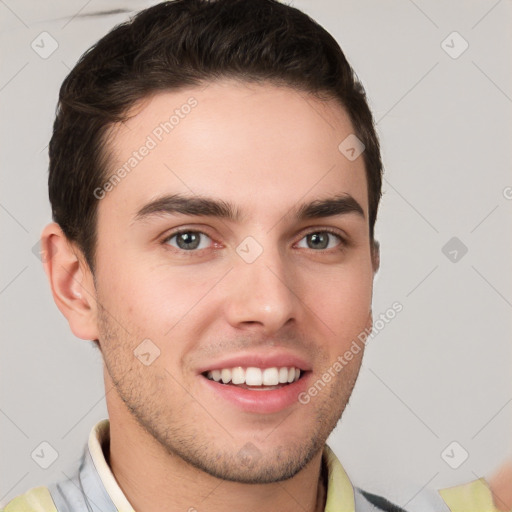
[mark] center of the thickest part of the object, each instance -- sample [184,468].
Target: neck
[154,480]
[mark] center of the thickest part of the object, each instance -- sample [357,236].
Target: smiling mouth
[257,379]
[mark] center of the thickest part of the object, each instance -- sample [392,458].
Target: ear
[369,322]
[71,282]
[375,256]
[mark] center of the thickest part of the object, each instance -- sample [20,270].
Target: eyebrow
[341,204]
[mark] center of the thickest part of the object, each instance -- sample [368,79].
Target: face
[200,329]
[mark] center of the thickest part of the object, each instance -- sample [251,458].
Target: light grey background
[439,372]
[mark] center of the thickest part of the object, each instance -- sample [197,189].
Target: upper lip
[257,360]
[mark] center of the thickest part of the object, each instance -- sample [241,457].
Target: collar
[340,492]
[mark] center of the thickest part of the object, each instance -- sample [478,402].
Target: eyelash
[192,252]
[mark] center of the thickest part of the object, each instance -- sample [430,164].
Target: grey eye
[188,240]
[320,240]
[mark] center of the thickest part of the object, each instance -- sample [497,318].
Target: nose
[261,295]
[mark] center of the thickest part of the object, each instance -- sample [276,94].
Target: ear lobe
[71,282]
[376,256]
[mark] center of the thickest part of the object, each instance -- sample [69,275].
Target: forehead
[258,146]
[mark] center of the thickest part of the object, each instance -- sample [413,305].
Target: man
[215,178]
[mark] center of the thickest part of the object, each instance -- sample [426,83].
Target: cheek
[136,287]
[342,299]
[164,306]
[342,309]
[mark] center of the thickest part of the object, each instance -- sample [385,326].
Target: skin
[174,443]
[500,484]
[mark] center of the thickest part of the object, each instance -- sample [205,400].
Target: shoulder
[37,499]
[475,495]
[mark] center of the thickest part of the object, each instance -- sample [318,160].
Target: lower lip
[263,402]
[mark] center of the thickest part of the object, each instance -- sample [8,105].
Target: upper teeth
[255,376]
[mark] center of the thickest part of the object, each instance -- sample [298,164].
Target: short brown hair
[179,44]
